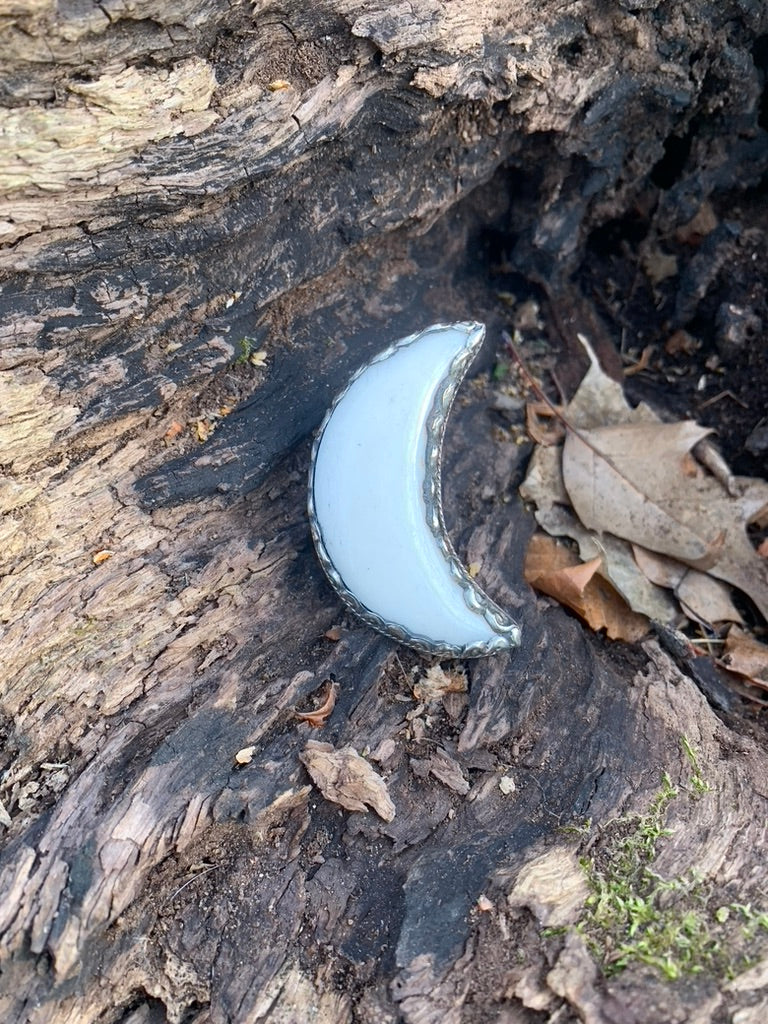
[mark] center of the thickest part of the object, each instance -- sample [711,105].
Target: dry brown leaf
[556,571]
[321,714]
[345,778]
[711,510]
[599,400]
[101,556]
[708,455]
[746,657]
[542,424]
[629,480]
[435,683]
[702,597]
[544,487]
[678,509]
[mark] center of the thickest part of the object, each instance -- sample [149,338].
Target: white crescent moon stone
[370,511]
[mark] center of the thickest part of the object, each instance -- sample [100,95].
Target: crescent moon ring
[375,505]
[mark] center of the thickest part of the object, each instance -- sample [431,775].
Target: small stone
[507,785]
[735,327]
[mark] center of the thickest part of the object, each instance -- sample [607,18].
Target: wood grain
[165,214]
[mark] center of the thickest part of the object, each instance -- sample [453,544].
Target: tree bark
[183,186]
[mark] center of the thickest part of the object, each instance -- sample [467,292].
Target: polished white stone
[367,494]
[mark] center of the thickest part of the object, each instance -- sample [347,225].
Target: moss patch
[677,925]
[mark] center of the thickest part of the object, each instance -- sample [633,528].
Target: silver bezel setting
[508,631]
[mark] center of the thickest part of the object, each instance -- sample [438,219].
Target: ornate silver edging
[508,632]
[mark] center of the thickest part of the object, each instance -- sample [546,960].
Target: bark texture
[183,185]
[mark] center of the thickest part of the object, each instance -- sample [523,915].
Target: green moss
[633,915]
[247,347]
[698,784]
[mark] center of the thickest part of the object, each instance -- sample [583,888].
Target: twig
[530,380]
[642,362]
[189,881]
[557,413]
[720,396]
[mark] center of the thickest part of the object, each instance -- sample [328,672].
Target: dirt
[698,366]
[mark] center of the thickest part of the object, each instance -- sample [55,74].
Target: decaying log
[183,186]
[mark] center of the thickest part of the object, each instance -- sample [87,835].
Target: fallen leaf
[628,480]
[345,778]
[599,400]
[435,683]
[709,456]
[556,571]
[101,556]
[746,657]
[245,756]
[678,509]
[544,487]
[322,713]
[692,508]
[542,424]
[702,598]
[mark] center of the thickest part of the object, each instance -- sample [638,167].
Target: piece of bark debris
[446,770]
[553,887]
[346,778]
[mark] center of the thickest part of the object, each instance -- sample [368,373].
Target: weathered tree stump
[183,186]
